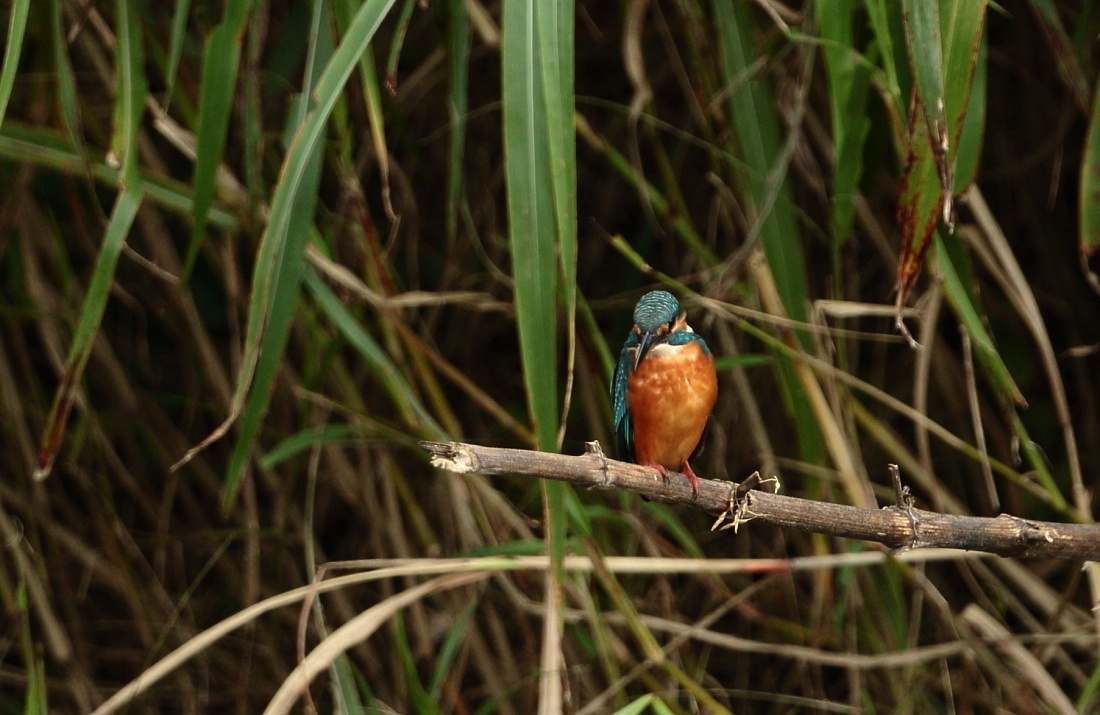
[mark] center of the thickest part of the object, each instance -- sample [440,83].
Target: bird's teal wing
[624,436]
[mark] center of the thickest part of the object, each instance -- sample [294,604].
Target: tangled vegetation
[254,252]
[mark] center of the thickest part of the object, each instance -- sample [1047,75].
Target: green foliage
[17,25]
[253,252]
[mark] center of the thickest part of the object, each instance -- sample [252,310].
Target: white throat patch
[663,350]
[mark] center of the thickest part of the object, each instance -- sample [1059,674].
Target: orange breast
[669,398]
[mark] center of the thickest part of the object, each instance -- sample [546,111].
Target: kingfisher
[663,389]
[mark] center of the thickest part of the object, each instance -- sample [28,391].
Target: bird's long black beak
[647,341]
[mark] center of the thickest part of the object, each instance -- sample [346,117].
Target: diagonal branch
[900,527]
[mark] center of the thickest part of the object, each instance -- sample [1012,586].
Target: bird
[663,388]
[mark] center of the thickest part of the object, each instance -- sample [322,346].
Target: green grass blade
[388,374]
[128,110]
[882,15]
[398,40]
[555,25]
[755,124]
[961,300]
[317,436]
[294,194]
[643,704]
[1033,455]
[131,93]
[973,126]
[175,47]
[962,24]
[283,267]
[419,699]
[221,58]
[1088,693]
[448,652]
[458,80]
[943,49]
[927,175]
[752,114]
[922,35]
[849,85]
[345,691]
[1069,66]
[17,26]
[66,82]
[1089,198]
[36,690]
[538,109]
[531,218]
[372,95]
[91,313]
[47,148]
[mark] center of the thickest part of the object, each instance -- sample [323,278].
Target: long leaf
[922,34]
[881,15]
[66,82]
[372,95]
[943,40]
[849,85]
[130,103]
[755,124]
[296,186]
[47,148]
[286,266]
[961,25]
[175,45]
[961,300]
[538,109]
[972,134]
[1069,66]
[220,61]
[927,176]
[388,374]
[17,25]
[531,221]
[1089,197]
[458,79]
[127,112]
[555,40]
[752,114]
[91,313]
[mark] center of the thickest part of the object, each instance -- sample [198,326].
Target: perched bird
[664,388]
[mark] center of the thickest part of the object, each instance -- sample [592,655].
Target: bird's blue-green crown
[654,309]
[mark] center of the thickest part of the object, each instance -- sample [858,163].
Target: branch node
[1029,531]
[594,450]
[904,502]
[903,498]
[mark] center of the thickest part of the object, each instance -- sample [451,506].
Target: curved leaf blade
[943,39]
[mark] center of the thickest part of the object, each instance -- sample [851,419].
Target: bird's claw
[685,469]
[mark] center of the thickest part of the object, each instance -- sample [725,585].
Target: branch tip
[452,456]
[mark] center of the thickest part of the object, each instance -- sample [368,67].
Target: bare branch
[900,527]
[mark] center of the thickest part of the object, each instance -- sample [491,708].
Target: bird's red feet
[685,469]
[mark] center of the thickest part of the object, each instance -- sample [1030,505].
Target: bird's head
[657,317]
